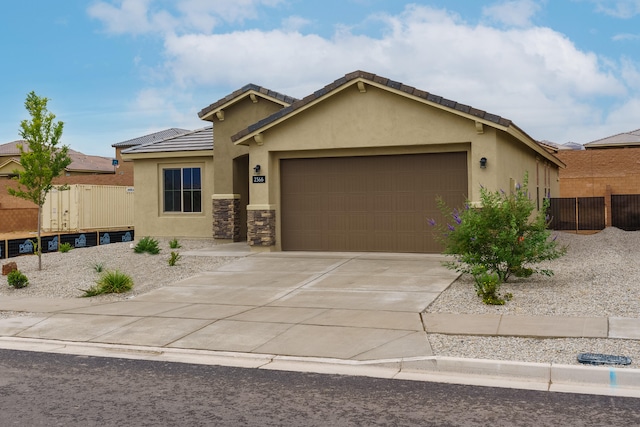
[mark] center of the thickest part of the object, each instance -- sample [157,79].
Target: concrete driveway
[360,306]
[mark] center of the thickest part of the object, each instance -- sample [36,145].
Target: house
[609,164]
[355,166]
[173,179]
[18,214]
[607,171]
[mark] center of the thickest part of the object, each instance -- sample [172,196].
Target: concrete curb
[610,381]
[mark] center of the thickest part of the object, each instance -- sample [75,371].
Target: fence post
[607,207]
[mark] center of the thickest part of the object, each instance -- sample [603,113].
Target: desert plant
[17,279]
[175,257]
[98,267]
[111,282]
[487,287]
[65,247]
[148,245]
[174,244]
[504,236]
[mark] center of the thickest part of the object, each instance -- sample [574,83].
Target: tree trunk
[40,237]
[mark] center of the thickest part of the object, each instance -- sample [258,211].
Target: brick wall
[18,220]
[589,172]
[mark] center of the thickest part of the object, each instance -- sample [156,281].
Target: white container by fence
[84,207]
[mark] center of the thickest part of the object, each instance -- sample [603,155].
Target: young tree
[43,160]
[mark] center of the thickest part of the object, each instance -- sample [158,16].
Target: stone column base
[226,217]
[261,227]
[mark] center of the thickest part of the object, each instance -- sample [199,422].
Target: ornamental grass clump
[502,238]
[148,245]
[110,282]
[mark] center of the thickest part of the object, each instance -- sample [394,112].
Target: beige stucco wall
[238,116]
[149,218]
[379,122]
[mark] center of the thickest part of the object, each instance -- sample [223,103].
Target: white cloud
[532,75]
[149,16]
[294,23]
[626,37]
[515,13]
[624,9]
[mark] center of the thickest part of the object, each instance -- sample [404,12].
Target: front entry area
[368,203]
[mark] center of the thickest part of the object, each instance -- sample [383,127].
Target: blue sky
[562,70]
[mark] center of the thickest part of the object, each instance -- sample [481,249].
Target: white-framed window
[182,189]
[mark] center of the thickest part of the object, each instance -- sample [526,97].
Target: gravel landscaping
[599,277]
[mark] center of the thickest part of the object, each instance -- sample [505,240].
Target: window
[182,190]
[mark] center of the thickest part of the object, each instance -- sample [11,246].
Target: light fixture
[257,169]
[483,162]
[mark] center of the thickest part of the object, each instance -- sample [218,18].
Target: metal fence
[577,213]
[625,211]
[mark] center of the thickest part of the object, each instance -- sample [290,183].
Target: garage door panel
[377,203]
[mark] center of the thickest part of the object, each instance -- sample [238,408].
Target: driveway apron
[360,306]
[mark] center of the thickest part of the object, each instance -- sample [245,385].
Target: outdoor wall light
[257,169]
[483,162]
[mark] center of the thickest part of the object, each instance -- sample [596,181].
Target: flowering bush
[502,237]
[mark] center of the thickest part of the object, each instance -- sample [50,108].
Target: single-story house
[355,166]
[606,165]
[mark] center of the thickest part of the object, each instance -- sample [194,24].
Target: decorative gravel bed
[598,277]
[65,275]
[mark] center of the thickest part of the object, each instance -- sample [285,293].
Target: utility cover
[603,359]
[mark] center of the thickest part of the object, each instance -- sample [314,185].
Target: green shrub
[65,247]
[111,282]
[148,245]
[98,267]
[487,286]
[17,279]
[174,244]
[503,237]
[174,258]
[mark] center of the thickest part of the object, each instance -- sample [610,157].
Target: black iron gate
[577,213]
[625,211]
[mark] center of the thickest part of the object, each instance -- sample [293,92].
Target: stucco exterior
[361,114]
[149,219]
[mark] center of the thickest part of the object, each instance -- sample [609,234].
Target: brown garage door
[375,203]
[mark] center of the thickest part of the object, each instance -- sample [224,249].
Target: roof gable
[8,166]
[363,78]
[250,90]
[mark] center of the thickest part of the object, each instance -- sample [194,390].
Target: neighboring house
[607,165]
[609,169]
[125,168]
[18,214]
[355,166]
[174,181]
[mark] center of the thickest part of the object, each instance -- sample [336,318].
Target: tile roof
[197,140]
[157,136]
[381,81]
[619,140]
[84,163]
[285,99]
[79,162]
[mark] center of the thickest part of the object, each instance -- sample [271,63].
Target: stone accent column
[226,217]
[261,227]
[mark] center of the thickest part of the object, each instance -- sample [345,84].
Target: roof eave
[168,154]
[209,115]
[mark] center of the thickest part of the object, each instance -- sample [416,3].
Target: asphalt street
[42,389]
